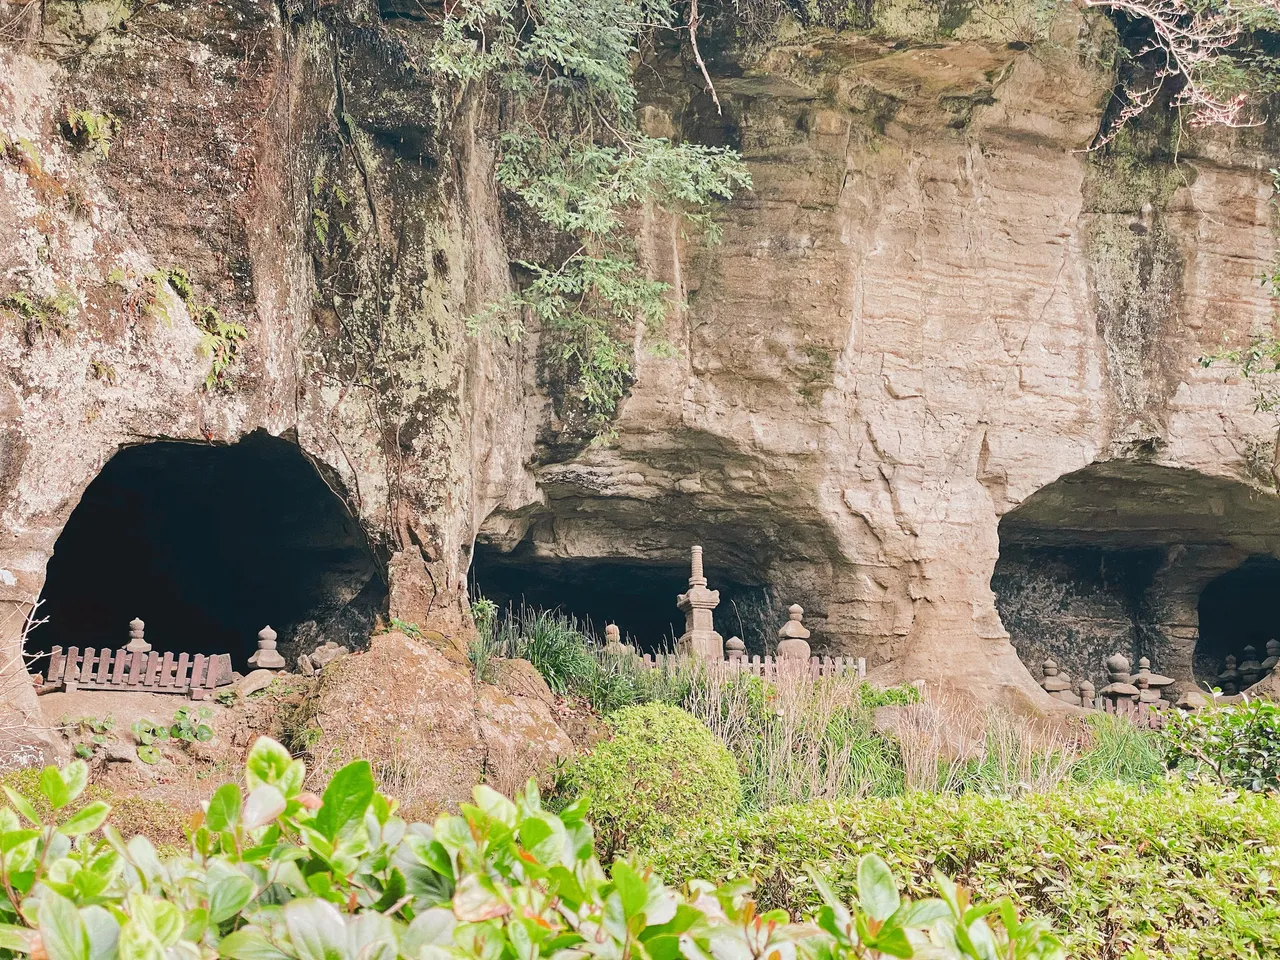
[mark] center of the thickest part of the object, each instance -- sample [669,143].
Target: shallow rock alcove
[207,544]
[638,595]
[1140,559]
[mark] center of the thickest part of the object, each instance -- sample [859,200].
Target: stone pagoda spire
[700,638]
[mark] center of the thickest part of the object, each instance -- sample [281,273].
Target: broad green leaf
[921,913]
[431,927]
[630,888]
[345,799]
[249,944]
[224,808]
[85,820]
[877,890]
[316,930]
[267,762]
[13,839]
[263,805]
[62,930]
[893,942]
[17,939]
[495,805]
[476,900]
[104,931]
[228,895]
[75,776]
[54,788]
[23,806]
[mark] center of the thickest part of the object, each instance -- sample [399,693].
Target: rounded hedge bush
[659,774]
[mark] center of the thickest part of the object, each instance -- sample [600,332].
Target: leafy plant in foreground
[1236,745]
[281,873]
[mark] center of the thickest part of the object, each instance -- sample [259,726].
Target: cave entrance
[1239,609]
[207,544]
[638,596]
[1133,558]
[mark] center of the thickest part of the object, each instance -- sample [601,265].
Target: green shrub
[282,874]
[660,773]
[1237,745]
[1170,871]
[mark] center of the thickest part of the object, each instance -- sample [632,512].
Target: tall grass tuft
[561,647]
[796,738]
[1119,750]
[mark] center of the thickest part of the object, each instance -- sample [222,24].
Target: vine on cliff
[572,151]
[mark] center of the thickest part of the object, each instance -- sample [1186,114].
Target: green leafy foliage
[1236,745]
[660,773]
[92,131]
[189,727]
[219,339]
[572,153]
[87,734]
[276,873]
[49,315]
[1167,872]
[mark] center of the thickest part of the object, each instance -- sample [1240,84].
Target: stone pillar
[267,657]
[793,638]
[699,638]
[137,642]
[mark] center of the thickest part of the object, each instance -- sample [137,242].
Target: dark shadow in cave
[639,596]
[207,544]
[1077,604]
[1238,609]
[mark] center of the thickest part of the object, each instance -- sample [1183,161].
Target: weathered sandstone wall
[931,305]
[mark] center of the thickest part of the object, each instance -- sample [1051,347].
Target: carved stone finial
[1121,686]
[1118,668]
[793,638]
[137,642]
[695,567]
[735,649]
[699,638]
[1057,683]
[267,657]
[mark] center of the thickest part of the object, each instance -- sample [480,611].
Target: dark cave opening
[639,596]
[207,544]
[1237,610]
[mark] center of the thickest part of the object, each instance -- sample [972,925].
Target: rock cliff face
[931,306]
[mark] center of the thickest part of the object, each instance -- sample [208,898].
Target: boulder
[431,732]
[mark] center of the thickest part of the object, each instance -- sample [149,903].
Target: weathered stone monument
[793,637]
[137,642]
[699,638]
[1121,686]
[1057,683]
[267,657]
[735,648]
[613,645]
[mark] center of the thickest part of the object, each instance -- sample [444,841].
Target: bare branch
[694,20]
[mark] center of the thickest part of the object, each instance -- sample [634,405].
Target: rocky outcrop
[433,730]
[931,305]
